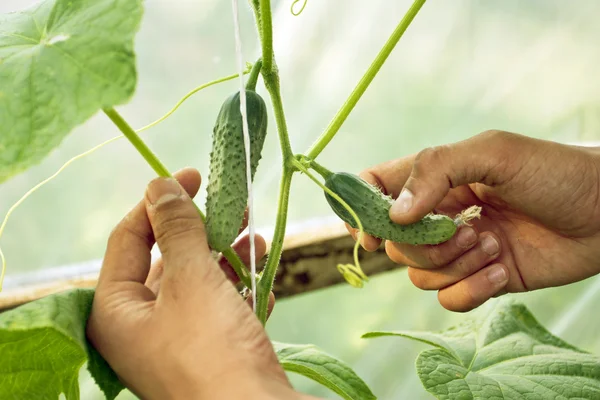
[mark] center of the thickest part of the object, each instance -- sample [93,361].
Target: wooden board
[311,253]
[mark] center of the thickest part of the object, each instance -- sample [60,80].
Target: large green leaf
[60,62]
[43,347]
[505,354]
[310,361]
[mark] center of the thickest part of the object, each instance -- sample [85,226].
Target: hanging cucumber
[372,207]
[227,190]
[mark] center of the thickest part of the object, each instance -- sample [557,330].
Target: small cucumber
[372,207]
[227,190]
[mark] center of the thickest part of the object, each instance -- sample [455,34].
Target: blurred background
[462,67]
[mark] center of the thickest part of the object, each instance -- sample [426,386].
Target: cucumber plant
[65,56]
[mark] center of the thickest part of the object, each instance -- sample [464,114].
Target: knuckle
[462,268]
[435,257]
[424,156]
[497,135]
[432,155]
[431,159]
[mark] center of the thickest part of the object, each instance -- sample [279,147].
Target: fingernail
[403,203]
[466,237]
[497,275]
[162,190]
[490,245]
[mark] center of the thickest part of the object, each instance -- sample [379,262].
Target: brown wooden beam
[308,263]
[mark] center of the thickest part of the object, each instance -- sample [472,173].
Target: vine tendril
[97,147]
[352,273]
[296,13]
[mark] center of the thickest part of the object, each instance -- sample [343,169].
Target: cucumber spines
[227,191]
[372,207]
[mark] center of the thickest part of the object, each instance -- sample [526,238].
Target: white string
[241,67]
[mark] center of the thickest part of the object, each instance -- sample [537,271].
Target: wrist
[249,385]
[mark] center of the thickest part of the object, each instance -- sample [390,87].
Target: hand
[540,224]
[179,329]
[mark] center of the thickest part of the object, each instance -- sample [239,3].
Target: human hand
[179,329]
[540,224]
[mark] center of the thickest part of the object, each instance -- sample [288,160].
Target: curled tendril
[88,152]
[296,13]
[352,273]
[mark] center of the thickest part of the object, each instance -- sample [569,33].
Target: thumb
[178,229]
[436,170]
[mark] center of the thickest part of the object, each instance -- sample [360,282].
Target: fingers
[390,176]
[486,251]
[438,169]
[368,242]
[270,306]
[181,237]
[190,179]
[465,282]
[242,248]
[475,290]
[430,256]
[155,276]
[127,257]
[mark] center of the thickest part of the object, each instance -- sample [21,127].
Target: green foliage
[505,354]
[310,361]
[43,346]
[60,62]
[63,60]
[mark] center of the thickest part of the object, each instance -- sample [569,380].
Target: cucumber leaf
[310,361]
[61,61]
[503,354]
[43,346]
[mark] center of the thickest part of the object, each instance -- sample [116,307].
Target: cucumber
[372,207]
[227,190]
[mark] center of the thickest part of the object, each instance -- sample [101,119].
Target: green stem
[262,10]
[253,78]
[256,7]
[139,144]
[262,14]
[364,83]
[233,258]
[321,170]
[266,282]
[238,265]
[272,85]
[266,29]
